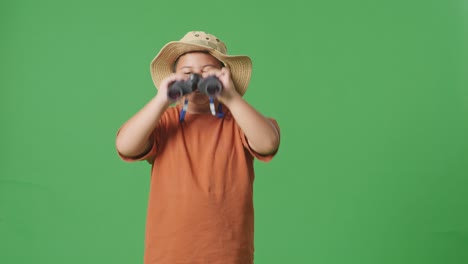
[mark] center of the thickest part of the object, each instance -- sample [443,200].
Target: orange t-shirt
[200,208]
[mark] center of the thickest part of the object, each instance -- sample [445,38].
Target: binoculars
[210,86]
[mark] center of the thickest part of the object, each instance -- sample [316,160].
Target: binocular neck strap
[184,110]
[220,113]
[212,106]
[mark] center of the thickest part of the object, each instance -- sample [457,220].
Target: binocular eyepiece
[211,86]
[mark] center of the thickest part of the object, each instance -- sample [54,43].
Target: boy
[200,207]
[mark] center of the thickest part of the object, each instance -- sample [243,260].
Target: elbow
[129,148]
[268,146]
[273,141]
[121,147]
[272,145]
[125,148]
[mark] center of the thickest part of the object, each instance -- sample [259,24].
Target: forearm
[133,137]
[261,133]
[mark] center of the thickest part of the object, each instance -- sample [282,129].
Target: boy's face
[197,62]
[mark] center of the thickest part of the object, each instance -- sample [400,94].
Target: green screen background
[371,98]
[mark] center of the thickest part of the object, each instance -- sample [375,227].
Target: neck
[198,109]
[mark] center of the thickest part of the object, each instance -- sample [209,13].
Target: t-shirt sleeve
[264,158]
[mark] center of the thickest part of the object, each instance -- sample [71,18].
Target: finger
[213,72]
[173,78]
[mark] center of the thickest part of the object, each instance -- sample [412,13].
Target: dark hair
[174,66]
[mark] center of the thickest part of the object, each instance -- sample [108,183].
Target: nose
[198,71]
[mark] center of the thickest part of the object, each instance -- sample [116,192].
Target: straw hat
[240,66]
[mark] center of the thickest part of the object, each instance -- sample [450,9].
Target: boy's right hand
[164,87]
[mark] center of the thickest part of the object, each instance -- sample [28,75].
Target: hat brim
[162,65]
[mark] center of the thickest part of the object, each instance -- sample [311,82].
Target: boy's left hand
[229,91]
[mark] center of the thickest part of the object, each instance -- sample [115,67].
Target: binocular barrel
[211,86]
